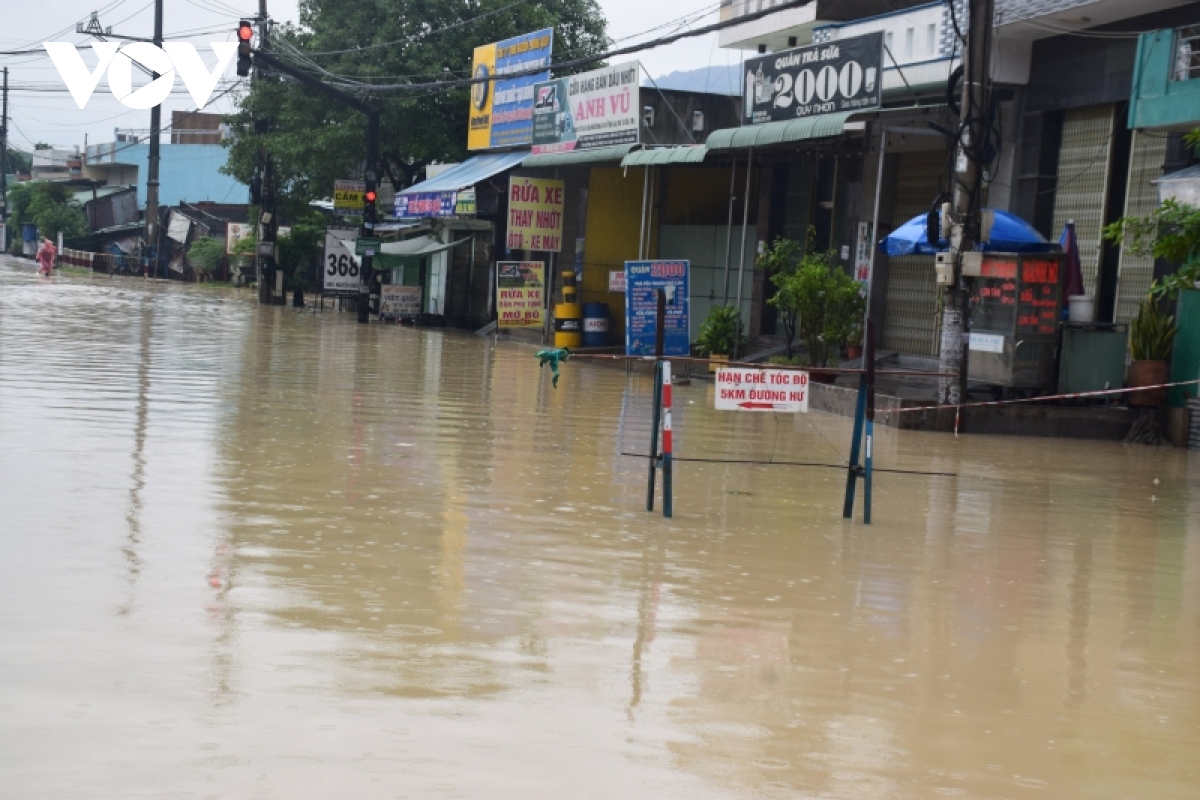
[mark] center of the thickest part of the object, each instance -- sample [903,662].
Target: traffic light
[245,32]
[369,198]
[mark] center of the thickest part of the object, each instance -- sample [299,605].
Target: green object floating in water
[553,358]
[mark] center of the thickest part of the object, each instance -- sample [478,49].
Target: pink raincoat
[45,256]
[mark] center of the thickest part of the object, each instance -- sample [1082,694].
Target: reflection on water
[265,551]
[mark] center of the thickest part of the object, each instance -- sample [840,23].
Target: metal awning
[417,246]
[769,133]
[614,153]
[468,173]
[693,154]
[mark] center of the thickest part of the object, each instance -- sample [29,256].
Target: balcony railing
[1187,53]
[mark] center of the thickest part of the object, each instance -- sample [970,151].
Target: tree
[51,208]
[301,247]
[205,254]
[19,162]
[314,141]
[816,298]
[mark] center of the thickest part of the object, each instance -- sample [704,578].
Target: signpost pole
[667,443]
[853,468]
[869,378]
[656,415]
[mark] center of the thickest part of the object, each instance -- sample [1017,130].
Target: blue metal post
[852,471]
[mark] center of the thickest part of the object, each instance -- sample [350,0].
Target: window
[931,39]
[909,35]
[888,43]
[1187,53]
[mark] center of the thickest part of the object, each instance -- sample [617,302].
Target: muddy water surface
[266,552]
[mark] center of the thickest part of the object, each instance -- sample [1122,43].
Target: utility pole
[366,272]
[966,224]
[152,231]
[268,220]
[4,168]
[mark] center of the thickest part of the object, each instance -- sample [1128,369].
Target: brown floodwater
[267,552]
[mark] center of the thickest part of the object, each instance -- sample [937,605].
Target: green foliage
[301,247]
[246,246]
[1152,333]
[721,332]
[815,297]
[315,140]
[1171,232]
[49,206]
[205,255]
[19,162]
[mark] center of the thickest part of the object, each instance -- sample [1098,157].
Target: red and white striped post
[667,445]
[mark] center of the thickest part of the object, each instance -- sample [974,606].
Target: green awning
[665,155]
[614,153]
[769,133]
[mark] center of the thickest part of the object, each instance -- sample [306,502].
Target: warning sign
[749,389]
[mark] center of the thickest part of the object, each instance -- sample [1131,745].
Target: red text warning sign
[748,389]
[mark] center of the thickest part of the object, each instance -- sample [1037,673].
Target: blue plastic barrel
[595,324]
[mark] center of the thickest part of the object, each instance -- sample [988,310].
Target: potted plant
[854,342]
[1151,336]
[720,334]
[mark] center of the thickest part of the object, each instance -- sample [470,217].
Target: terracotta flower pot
[1148,373]
[854,351]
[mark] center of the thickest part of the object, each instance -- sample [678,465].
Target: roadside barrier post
[869,379]
[667,444]
[853,470]
[655,420]
[864,416]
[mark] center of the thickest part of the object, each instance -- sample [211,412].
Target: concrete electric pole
[152,226]
[966,221]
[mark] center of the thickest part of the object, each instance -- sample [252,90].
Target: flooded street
[266,552]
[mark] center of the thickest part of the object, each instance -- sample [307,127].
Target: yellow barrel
[568,325]
[568,286]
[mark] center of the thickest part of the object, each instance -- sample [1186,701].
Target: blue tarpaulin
[1009,234]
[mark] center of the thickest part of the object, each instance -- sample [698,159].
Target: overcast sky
[36,114]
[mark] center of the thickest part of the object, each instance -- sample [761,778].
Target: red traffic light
[245,31]
[370,196]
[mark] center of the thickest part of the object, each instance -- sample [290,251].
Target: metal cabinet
[1093,357]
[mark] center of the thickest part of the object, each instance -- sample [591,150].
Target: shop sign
[348,198]
[750,389]
[616,281]
[399,302]
[520,294]
[501,113]
[367,246]
[425,204]
[464,203]
[845,75]
[339,272]
[535,214]
[589,110]
[643,279]
[234,233]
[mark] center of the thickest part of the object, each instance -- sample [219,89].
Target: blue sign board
[425,204]
[643,279]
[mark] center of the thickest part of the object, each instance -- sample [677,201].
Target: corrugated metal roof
[665,155]
[469,172]
[792,130]
[614,153]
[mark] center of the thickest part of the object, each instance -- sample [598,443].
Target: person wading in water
[45,256]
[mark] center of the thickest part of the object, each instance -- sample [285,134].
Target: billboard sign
[593,109]
[535,214]
[643,279]
[520,294]
[425,204]
[845,75]
[339,268]
[399,302]
[502,108]
[348,198]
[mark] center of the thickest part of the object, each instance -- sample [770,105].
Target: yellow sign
[520,294]
[535,214]
[479,123]
[348,197]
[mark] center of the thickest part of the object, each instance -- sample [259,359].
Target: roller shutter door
[1081,191]
[1134,273]
[911,321]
